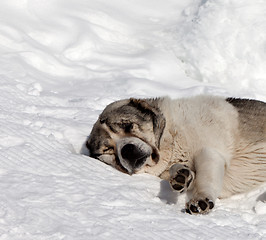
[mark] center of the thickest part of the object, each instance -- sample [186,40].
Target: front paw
[201,206]
[181,177]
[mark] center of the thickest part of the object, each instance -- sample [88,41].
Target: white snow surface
[62,61]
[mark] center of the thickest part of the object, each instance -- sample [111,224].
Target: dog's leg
[181,177]
[209,167]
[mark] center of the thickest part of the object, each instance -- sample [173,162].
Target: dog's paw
[201,206]
[181,177]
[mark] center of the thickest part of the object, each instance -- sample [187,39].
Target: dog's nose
[130,152]
[133,155]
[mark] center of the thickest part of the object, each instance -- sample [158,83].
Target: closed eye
[127,127]
[108,149]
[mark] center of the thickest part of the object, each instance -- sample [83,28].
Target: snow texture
[62,61]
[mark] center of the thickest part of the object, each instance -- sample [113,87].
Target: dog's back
[252,118]
[248,165]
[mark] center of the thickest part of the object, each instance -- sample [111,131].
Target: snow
[61,62]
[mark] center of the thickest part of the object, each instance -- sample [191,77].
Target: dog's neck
[172,140]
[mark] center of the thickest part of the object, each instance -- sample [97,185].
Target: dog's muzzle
[133,153]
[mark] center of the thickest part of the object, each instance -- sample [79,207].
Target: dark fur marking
[242,103]
[252,118]
[248,107]
[148,108]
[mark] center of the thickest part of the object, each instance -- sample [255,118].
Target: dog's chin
[108,159]
[121,165]
[112,160]
[142,163]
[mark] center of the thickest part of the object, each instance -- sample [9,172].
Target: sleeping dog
[207,146]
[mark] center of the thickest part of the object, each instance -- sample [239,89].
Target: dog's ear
[150,107]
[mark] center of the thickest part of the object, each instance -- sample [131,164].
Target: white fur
[204,134]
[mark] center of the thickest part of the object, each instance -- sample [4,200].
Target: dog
[206,146]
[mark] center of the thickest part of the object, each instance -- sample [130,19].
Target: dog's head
[127,135]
